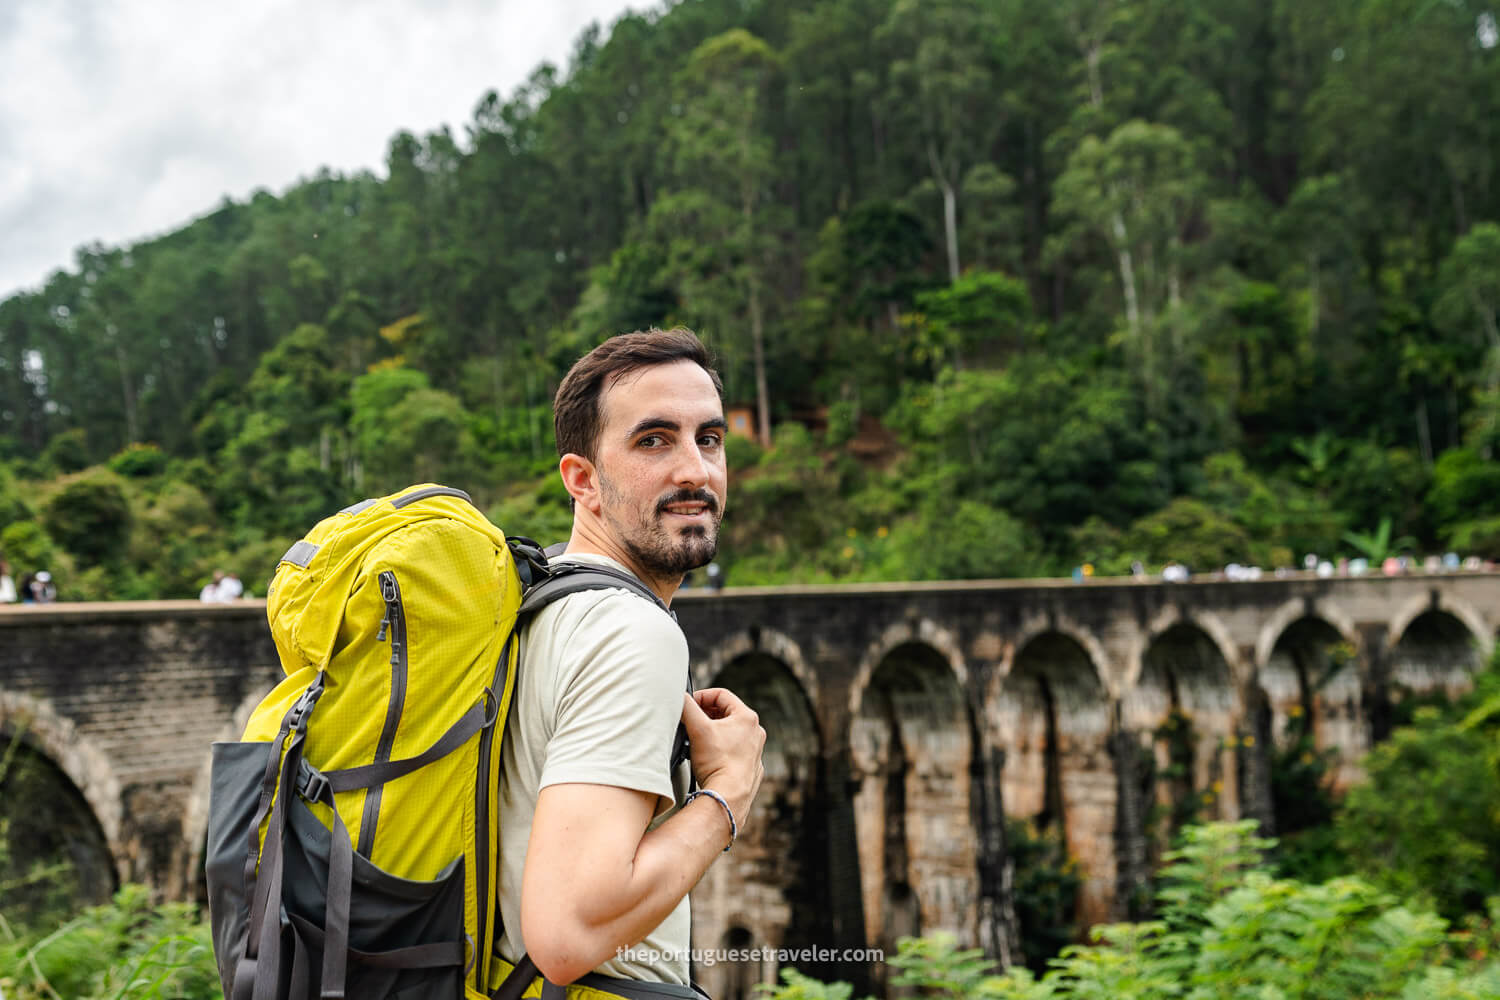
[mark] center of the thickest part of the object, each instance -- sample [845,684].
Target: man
[589,867]
[43,591]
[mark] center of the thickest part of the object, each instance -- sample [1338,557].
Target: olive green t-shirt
[598,698]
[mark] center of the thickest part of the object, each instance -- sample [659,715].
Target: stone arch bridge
[905,723]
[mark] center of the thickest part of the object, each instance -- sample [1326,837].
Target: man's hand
[727,741]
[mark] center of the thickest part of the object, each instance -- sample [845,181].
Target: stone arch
[1282,618]
[773,884]
[1086,640]
[759,639]
[1437,650]
[1311,687]
[187,877]
[1210,624]
[1438,600]
[85,789]
[912,757]
[924,632]
[1050,713]
[76,756]
[1184,708]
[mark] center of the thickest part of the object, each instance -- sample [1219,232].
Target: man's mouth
[693,508]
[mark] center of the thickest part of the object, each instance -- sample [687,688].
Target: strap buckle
[313,784]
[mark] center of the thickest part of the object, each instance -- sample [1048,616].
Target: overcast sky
[121,119]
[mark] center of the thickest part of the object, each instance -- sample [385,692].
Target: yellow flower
[852,533]
[1294,711]
[848,552]
[882,531]
[1218,787]
[1249,741]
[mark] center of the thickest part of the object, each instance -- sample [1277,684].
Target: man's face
[660,461]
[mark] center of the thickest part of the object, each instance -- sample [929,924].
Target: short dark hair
[576,417]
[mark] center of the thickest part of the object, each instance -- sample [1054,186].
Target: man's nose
[692,467]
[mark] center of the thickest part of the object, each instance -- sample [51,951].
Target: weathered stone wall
[901,716]
[126,699]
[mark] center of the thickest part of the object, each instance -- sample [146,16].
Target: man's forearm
[610,909]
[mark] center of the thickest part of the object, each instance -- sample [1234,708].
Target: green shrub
[1479,537]
[125,950]
[176,541]
[67,451]
[27,547]
[1230,931]
[139,461]
[89,516]
[1425,823]
[795,986]
[13,503]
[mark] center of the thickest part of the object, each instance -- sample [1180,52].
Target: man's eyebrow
[654,424]
[665,424]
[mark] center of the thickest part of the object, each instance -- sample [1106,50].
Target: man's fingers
[717,702]
[693,718]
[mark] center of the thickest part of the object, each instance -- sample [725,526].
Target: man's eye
[650,441]
[710,441]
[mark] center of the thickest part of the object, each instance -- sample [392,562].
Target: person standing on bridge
[600,841]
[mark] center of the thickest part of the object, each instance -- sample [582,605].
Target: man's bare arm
[597,881]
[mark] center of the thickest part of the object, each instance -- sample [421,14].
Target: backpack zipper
[394,626]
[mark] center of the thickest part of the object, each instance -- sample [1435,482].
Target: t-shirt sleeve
[619,698]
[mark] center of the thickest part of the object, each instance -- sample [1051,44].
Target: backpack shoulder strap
[567,578]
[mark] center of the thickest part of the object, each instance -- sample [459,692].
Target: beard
[655,548]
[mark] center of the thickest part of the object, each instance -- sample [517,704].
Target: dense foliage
[127,950]
[1228,931]
[1426,823]
[1007,285]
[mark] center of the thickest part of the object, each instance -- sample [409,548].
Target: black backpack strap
[567,578]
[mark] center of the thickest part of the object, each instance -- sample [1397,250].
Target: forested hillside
[1011,284]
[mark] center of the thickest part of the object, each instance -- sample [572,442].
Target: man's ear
[581,480]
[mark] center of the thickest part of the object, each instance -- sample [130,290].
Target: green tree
[1138,191]
[942,89]
[405,431]
[982,316]
[1470,303]
[723,229]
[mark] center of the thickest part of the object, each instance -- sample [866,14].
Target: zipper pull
[388,592]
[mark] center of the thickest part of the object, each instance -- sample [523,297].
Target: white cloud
[124,118]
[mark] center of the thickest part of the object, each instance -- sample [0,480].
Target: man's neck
[586,542]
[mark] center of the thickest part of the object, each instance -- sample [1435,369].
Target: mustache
[689,496]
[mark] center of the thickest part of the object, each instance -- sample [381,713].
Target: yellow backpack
[353,835]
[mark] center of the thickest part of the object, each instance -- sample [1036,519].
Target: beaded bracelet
[734,830]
